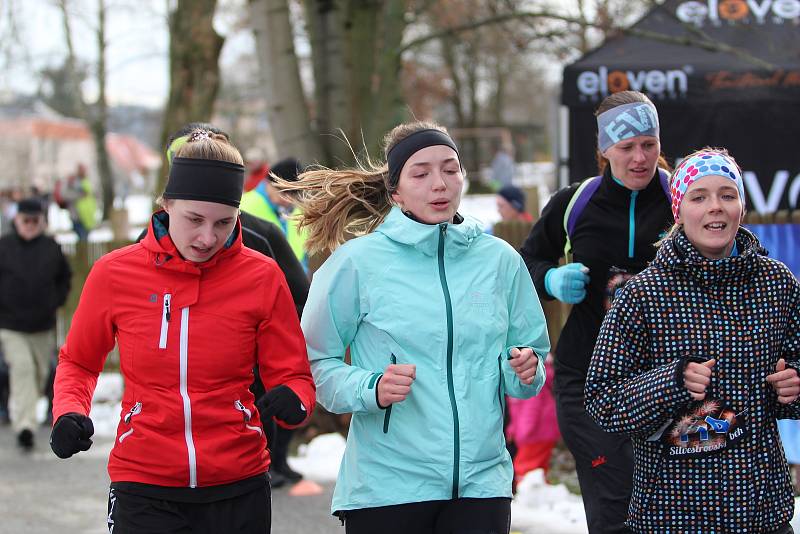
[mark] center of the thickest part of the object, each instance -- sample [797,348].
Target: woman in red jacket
[192,312]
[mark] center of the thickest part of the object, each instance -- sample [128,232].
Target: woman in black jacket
[612,229]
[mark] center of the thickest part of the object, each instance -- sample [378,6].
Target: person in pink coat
[533,428]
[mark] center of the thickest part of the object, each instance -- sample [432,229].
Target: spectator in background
[511,204]
[257,168]
[78,196]
[266,202]
[533,428]
[34,282]
[503,166]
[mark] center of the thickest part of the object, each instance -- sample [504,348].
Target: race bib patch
[702,429]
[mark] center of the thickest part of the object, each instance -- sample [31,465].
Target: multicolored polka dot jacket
[742,311]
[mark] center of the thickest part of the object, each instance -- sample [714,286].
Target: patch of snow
[319,459]
[542,507]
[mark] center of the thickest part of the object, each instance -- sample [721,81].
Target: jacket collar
[677,253]
[425,237]
[165,255]
[617,191]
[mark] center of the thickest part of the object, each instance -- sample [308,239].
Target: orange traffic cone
[306,488]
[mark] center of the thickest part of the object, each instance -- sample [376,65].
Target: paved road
[42,494]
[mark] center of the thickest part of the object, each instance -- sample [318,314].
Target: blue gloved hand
[568,282]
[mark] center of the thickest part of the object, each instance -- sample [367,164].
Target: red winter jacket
[189,336]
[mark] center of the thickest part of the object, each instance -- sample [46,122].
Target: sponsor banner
[738,12]
[597,84]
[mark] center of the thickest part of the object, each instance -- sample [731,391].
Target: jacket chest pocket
[159,326]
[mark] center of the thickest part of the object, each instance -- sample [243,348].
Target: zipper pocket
[247,415]
[500,393]
[136,410]
[388,414]
[166,313]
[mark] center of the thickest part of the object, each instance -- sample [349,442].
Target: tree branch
[702,41]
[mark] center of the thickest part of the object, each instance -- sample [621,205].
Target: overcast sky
[137,45]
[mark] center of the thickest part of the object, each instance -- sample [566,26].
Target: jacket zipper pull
[167,309]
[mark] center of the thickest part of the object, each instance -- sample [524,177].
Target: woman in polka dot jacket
[696,360]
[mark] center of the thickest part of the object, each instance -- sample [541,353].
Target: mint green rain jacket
[451,300]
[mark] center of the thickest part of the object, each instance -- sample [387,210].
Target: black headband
[399,153]
[205,179]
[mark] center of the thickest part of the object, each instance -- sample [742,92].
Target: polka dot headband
[705,163]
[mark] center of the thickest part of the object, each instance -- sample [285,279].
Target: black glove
[281,402]
[71,434]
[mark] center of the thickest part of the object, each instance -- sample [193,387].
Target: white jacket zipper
[187,403]
[165,316]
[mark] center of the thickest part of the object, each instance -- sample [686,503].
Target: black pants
[250,513]
[458,516]
[604,461]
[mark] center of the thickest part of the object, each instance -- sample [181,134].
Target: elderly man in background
[34,282]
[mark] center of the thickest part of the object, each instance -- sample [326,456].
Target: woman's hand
[525,363]
[785,382]
[697,377]
[395,384]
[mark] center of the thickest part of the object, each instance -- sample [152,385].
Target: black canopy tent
[745,97]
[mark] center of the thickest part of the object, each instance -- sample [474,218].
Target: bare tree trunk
[389,108]
[100,117]
[194,48]
[96,117]
[375,32]
[331,75]
[77,105]
[449,56]
[286,104]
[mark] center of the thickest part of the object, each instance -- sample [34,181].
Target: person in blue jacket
[442,321]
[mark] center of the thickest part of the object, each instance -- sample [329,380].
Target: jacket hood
[164,254]
[425,237]
[677,253]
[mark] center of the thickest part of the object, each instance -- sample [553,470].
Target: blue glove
[568,282]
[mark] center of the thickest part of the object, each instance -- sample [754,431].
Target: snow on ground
[537,507]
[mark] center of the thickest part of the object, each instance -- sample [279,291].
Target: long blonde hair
[338,203]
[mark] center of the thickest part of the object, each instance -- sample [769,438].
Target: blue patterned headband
[625,121]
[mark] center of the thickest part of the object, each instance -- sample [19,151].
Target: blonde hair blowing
[205,144]
[338,203]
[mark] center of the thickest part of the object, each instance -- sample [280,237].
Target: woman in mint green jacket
[442,322]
